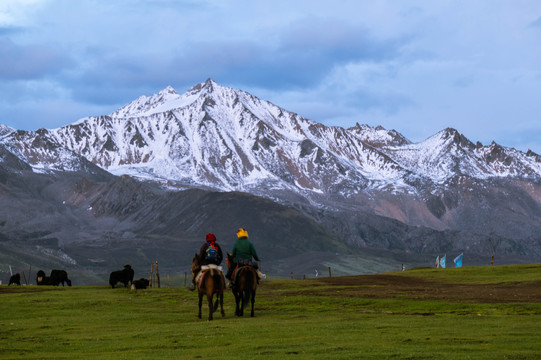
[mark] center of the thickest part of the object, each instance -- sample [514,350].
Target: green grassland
[294,319]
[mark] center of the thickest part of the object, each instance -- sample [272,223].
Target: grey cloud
[389,103]
[339,41]
[302,57]
[30,61]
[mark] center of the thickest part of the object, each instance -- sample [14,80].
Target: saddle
[242,264]
[204,269]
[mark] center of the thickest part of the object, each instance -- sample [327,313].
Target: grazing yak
[15,279]
[142,283]
[57,277]
[124,276]
[41,279]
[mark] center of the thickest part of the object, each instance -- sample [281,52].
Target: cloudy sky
[417,66]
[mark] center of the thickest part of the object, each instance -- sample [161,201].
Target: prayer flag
[458,260]
[442,262]
[438,261]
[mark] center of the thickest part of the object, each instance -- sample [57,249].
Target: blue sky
[413,66]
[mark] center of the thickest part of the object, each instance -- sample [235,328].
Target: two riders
[242,253]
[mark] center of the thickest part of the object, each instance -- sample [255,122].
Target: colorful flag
[458,260]
[438,261]
[442,262]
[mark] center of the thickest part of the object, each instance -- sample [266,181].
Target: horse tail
[217,278]
[249,279]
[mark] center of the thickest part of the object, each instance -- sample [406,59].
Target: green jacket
[244,249]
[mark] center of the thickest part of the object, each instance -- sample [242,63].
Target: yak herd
[125,276]
[57,277]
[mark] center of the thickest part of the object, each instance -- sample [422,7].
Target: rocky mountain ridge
[358,188]
[226,139]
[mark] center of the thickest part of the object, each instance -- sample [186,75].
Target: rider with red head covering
[210,252]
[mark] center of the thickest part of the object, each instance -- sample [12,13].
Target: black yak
[124,276]
[41,279]
[142,283]
[15,279]
[59,276]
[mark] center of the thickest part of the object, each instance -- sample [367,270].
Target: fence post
[151,270]
[157,274]
[168,281]
[330,275]
[292,275]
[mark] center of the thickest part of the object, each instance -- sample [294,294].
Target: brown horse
[209,282]
[244,286]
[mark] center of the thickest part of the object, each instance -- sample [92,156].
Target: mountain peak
[168,90]
[165,100]
[452,135]
[208,85]
[4,130]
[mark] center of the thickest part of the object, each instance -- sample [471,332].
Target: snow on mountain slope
[4,130]
[165,100]
[227,139]
[44,154]
[448,154]
[221,138]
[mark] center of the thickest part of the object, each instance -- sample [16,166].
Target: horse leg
[200,303]
[211,306]
[237,302]
[253,301]
[222,303]
[243,302]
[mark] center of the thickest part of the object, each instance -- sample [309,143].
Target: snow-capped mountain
[448,154]
[363,186]
[226,139]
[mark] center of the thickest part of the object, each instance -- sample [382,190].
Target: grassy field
[464,313]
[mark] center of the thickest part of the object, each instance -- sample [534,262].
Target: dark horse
[244,286]
[209,282]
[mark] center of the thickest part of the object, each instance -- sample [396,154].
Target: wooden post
[292,275]
[168,281]
[157,274]
[492,260]
[304,277]
[150,280]
[330,275]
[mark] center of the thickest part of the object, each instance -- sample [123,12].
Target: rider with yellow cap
[243,251]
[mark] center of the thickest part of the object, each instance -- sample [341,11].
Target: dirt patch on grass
[392,286]
[12,289]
